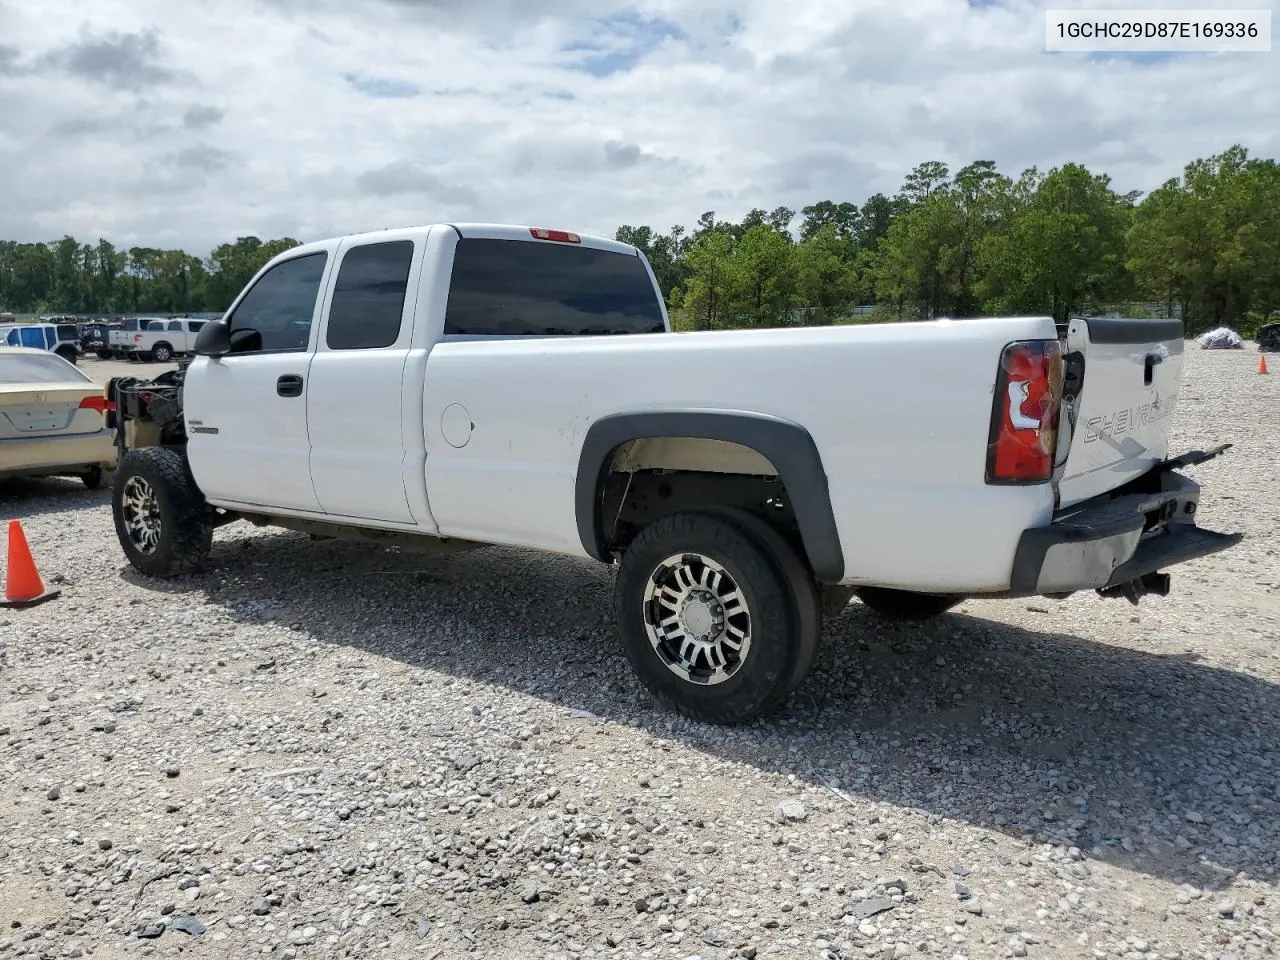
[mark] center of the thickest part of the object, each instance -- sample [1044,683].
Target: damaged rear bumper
[1119,544]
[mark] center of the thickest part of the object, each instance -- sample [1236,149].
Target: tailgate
[1120,391]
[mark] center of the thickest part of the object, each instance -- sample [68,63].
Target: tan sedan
[52,419]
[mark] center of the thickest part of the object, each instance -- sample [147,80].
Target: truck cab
[325,347]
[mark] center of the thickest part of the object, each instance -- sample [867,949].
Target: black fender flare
[786,444]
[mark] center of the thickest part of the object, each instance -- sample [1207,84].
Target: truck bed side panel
[899,413]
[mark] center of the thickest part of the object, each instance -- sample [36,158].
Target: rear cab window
[513,288]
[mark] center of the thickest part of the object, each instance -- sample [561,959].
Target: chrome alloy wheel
[141,515]
[697,619]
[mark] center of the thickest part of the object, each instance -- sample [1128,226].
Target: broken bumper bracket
[1118,545]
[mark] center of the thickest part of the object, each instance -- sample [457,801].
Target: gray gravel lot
[326,750]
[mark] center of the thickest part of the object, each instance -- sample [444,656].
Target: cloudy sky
[170,123]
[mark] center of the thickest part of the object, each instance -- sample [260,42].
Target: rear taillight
[1024,419]
[101,404]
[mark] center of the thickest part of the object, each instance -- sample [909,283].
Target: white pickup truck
[161,339]
[464,385]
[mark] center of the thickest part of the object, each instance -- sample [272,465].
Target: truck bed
[900,413]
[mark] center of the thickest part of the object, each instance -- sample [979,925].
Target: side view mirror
[214,339]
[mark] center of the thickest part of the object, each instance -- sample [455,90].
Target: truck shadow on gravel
[22,497]
[1156,763]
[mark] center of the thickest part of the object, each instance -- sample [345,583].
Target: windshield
[37,368]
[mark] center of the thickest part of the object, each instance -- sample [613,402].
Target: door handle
[289,385]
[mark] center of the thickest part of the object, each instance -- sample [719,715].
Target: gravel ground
[326,750]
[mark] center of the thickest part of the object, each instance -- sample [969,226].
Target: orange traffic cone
[23,586]
[1262,364]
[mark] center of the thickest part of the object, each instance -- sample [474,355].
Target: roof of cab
[503,231]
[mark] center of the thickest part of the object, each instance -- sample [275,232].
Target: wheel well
[632,497]
[634,466]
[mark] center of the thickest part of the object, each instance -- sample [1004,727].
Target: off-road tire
[162,353]
[68,355]
[903,606]
[186,519]
[765,675]
[93,478]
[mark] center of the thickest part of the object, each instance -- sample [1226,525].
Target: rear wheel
[93,478]
[163,353]
[164,524]
[905,606]
[804,589]
[709,618]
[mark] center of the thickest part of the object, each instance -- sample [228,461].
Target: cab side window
[275,315]
[368,298]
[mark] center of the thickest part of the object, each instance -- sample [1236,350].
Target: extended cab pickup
[463,385]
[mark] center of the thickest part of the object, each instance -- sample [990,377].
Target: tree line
[1205,246]
[69,277]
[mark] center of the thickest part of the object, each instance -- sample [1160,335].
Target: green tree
[1062,245]
[1211,241]
[760,267]
[923,181]
[712,287]
[922,255]
[827,282]
[843,217]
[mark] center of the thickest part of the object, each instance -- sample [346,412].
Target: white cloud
[149,122]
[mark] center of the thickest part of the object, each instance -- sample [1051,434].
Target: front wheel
[905,606]
[709,618]
[68,355]
[163,353]
[163,522]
